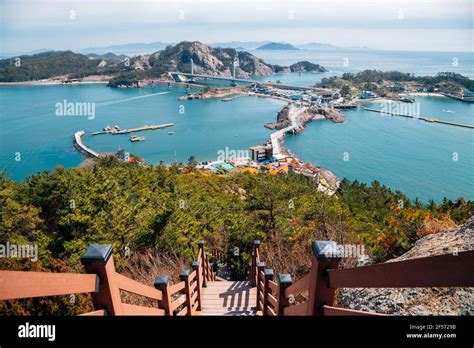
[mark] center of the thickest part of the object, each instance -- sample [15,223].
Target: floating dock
[139,129]
[83,148]
[427,119]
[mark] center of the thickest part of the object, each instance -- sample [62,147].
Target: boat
[135,138]
[407,99]
[106,129]
[117,127]
[227,99]
[447,110]
[170,133]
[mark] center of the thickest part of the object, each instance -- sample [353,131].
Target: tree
[346,90]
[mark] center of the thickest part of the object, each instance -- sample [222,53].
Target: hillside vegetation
[165,210]
[394,81]
[49,64]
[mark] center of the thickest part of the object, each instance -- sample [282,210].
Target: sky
[420,25]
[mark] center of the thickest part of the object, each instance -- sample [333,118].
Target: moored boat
[135,138]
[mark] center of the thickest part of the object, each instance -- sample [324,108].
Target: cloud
[28,24]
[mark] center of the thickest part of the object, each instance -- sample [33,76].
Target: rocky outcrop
[309,115]
[283,119]
[421,301]
[332,115]
[207,60]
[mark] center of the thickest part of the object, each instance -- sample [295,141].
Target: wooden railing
[281,298]
[218,255]
[105,285]
[259,277]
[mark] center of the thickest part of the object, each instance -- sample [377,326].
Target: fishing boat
[106,129]
[447,110]
[227,99]
[135,138]
[170,133]
[117,127]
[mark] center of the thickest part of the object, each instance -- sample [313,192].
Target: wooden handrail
[100,312]
[279,298]
[173,289]
[105,285]
[273,286]
[130,285]
[20,284]
[272,298]
[299,309]
[433,271]
[178,302]
[129,309]
[297,287]
[329,310]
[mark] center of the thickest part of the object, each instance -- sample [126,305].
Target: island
[273,46]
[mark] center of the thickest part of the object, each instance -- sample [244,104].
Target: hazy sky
[435,25]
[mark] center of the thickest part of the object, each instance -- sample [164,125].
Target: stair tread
[227,297]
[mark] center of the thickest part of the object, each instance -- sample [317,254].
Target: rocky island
[136,71]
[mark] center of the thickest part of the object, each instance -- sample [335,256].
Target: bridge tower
[234,65]
[192,71]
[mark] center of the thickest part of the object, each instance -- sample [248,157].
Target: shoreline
[52,83]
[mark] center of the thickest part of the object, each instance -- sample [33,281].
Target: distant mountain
[316,46]
[128,49]
[277,46]
[240,44]
[321,46]
[17,54]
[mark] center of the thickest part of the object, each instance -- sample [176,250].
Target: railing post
[210,272]
[203,263]
[268,276]
[284,281]
[98,259]
[161,283]
[325,256]
[260,267]
[256,245]
[184,276]
[195,266]
[249,272]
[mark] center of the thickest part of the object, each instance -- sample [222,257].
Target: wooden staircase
[229,298]
[203,291]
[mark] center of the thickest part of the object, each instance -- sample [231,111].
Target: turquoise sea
[424,160]
[29,125]
[421,159]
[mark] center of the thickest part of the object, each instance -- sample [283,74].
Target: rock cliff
[421,301]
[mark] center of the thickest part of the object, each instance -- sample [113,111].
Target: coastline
[52,83]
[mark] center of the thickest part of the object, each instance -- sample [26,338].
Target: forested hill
[49,64]
[395,81]
[163,211]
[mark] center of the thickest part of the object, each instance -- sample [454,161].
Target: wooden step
[228,298]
